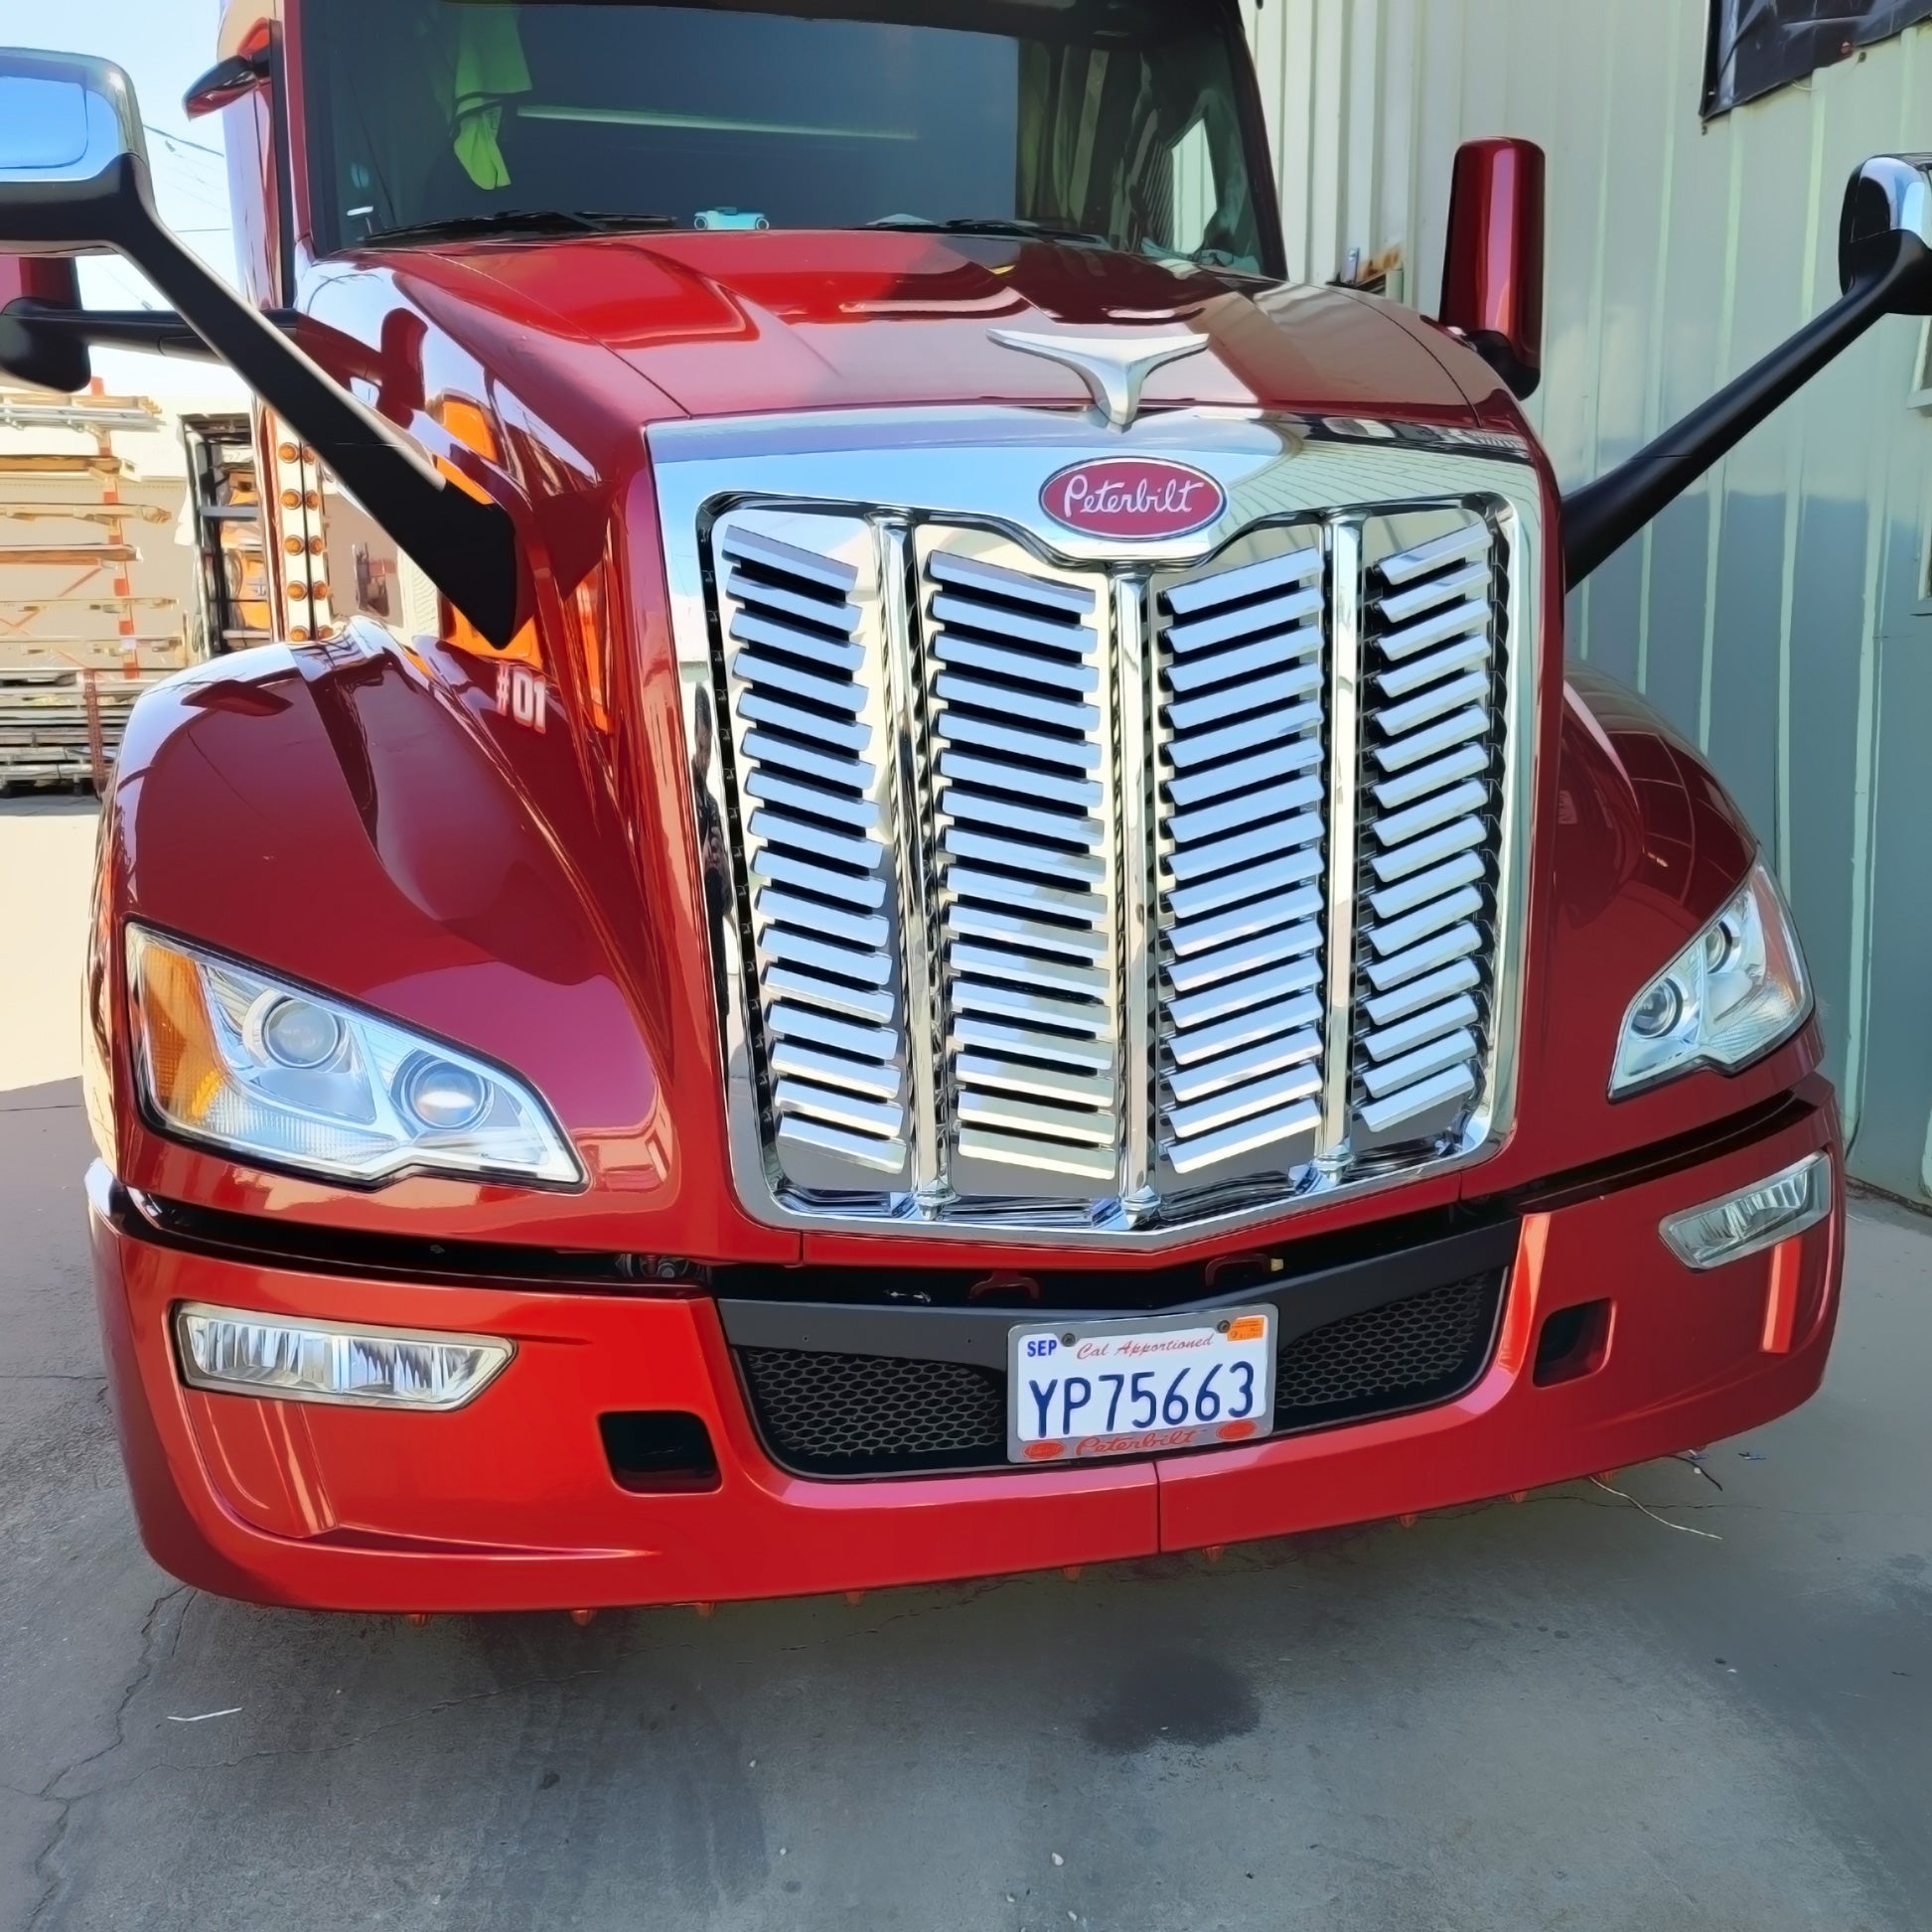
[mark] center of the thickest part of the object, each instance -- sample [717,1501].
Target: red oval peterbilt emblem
[1132,497]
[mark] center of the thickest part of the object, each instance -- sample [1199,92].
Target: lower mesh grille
[873,1415]
[870,1414]
[1399,1356]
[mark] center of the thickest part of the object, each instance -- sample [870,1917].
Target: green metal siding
[1778,614]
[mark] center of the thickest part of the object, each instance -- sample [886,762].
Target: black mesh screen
[1399,1356]
[868,1415]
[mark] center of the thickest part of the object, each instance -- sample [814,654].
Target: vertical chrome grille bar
[906,722]
[1140,942]
[1344,767]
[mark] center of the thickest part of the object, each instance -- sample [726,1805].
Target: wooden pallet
[49,732]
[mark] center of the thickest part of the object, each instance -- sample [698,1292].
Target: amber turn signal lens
[184,1067]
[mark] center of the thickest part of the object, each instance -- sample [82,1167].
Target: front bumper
[511,1504]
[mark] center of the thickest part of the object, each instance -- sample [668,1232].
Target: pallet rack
[79,640]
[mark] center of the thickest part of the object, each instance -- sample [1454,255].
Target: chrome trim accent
[1335,1148]
[931,1189]
[1133,674]
[1115,367]
[965,485]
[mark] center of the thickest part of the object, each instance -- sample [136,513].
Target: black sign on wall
[1756,46]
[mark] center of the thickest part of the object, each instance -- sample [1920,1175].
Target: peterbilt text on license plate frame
[1191,1367]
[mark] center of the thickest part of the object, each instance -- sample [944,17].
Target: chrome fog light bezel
[1680,1231]
[496,1354]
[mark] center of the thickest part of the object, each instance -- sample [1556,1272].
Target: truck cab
[918,889]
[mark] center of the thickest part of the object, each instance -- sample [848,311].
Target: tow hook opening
[658,1452]
[1573,1342]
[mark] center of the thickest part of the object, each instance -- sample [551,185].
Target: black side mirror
[1884,233]
[74,180]
[1884,267]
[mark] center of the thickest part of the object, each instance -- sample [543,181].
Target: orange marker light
[182,1058]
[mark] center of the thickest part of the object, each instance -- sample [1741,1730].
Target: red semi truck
[920,891]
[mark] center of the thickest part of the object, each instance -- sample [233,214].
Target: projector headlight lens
[237,1353]
[299,1033]
[1754,1218]
[441,1094]
[231,1056]
[1738,989]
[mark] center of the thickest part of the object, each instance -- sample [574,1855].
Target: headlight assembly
[1738,989]
[232,1056]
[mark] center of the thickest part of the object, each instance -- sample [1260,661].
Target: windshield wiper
[1027,230]
[541,221]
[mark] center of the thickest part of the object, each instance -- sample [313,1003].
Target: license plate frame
[1160,1337]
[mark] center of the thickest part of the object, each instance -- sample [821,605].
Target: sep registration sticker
[1077,1391]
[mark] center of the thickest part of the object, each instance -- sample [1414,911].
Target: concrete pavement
[47,848]
[1562,1714]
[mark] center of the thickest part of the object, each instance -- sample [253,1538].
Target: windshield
[1117,121]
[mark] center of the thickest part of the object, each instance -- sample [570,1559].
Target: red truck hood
[734,324]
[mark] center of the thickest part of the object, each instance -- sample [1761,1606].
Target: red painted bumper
[511,1503]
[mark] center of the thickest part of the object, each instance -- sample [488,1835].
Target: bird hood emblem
[1115,367]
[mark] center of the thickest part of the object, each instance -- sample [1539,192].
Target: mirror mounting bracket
[74,179]
[1885,267]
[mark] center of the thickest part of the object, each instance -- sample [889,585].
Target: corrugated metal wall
[1780,615]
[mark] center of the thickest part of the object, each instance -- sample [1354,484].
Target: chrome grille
[799,602]
[1017,679]
[1244,789]
[1092,889]
[1430,802]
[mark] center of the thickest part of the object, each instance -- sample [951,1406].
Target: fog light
[242,1354]
[1755,1218]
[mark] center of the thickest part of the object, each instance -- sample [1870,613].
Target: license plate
[1079,1390]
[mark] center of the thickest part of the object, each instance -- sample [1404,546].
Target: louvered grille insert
[1016,674]
[801,640]
[1244,787]
[1431,801]
[1102,896]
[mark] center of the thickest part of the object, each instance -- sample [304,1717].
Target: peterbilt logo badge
[1132,497]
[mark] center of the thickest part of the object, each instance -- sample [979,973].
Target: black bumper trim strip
[978,1335]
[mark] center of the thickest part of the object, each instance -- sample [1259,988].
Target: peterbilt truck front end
[931,897]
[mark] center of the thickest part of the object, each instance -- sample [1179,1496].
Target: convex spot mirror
[1492,268]
[1886,230]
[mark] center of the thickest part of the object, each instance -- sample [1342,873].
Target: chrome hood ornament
[1114,367]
